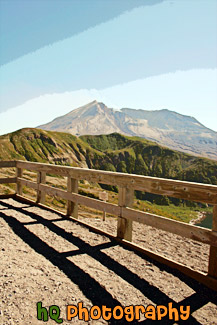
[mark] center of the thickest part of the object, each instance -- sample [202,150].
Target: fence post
[72,187]
[125,199]
[19,173]
[41,179]
[212,268]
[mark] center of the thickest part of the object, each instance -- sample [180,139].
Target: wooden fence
[127,184]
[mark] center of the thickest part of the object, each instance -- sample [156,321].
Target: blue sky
[58,55]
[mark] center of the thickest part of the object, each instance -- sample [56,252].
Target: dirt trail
[59,262]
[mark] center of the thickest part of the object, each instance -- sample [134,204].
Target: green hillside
[43,146]
[139,156]
[113,152]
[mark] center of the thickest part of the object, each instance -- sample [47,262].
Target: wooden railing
[127,184]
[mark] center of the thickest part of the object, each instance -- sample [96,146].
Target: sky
[57,55]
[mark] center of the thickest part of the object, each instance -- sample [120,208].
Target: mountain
[93,118]
[168,128]
[113,152]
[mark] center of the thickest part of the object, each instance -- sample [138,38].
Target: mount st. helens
[167,128]
[113,152]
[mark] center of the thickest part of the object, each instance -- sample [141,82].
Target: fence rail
[127,184]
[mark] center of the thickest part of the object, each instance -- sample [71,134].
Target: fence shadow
[88,285]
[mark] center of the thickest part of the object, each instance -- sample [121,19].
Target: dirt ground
[48,259]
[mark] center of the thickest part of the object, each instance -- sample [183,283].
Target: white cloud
[190,92]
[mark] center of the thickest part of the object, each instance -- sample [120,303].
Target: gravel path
[47,259]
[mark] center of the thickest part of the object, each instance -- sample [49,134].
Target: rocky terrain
[47,258]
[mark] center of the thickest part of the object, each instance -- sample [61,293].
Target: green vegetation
[139,156]
[43,146]
[115,152]
[181,213]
